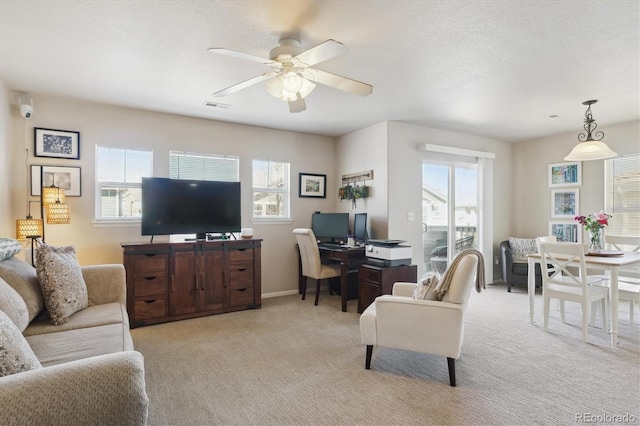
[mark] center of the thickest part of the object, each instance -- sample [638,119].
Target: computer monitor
[332,227]
[360,228]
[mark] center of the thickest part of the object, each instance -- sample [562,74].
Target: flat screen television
[333,227]
[177,206]
[360,228]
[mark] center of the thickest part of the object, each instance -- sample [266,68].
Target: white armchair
[429,326]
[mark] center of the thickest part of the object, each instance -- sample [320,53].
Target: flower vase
[596,240]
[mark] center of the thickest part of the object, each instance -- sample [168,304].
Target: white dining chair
[628,279]
[562,283]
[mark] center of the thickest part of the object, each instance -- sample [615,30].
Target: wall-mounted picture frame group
[313,185]
[566,232]
[56,143]
[564,203]
[67,178]
[565,174]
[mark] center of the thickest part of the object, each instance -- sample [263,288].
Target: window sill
[271,221]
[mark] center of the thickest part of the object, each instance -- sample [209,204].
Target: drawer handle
[150,278]
[242,289]
[150,254]
[242,269]
[241,249]
[172,279]
[150,301]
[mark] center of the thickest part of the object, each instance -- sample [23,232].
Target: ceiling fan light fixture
[291,82]
[276,88]
[589,148]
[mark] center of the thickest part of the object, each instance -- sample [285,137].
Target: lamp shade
[58,213]
[590,150]
[28,227]
[51,194]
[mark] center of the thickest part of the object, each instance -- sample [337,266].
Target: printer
[387,253]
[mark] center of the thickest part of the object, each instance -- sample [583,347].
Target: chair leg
[318,281]
[585,320]
[451,363]
[304,286]
[631,306]
[594,314]
[546,313]
[367,361]
[562,311]
[509,287]
[603,310]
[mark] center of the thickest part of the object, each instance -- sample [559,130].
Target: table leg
[531,285]
[613,294]
[344,284]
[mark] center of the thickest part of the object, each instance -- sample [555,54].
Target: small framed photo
[312,185]
[564,203]
[566,232]
[565,174]
[56,143]
[67,178]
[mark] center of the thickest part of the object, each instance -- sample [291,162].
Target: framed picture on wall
[564,203]
[313,185]
[67,178]
[56,143]
[565,231]
[565,174]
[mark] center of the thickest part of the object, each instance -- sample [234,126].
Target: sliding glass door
[450,200]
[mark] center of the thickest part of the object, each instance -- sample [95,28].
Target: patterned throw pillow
[425,289]
[13,306]
[521,247]
[63,286]
[16,355]
[9,248]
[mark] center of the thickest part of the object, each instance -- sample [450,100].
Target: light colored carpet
[292,363]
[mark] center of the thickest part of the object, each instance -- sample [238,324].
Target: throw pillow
[9,248]
[425,288]
[63,286]
[13,305]
[16,355]
[521,247]
[23,278]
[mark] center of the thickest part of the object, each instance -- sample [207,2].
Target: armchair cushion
[16,355]
[521,247]
[63,286]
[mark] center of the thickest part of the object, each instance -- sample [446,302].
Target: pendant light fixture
[589,148]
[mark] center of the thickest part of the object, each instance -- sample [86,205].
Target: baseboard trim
[279,294]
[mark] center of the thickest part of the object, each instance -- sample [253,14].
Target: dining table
[607,261]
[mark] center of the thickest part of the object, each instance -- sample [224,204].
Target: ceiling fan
[292,77]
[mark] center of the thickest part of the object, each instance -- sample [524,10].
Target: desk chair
[312,267]
[559,282]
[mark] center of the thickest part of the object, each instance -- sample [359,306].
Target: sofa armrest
[105,283]
[102,390]
[403,289]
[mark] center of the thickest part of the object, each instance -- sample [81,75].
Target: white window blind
[185,165]
[622,195]
[270,189]
[119,174]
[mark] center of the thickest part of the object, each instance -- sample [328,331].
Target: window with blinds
[270,189]
[622,195]
[119,174]
[186,165]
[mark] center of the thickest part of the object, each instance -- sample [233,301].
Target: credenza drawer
[151,285]
[241,296]
[150,309]
[241,275]
[151,263]
[369,274]
[240,256]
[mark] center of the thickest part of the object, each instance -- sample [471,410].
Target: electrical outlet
[411,216]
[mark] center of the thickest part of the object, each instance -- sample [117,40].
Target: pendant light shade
[589,148]
[51,194]
[58,213]
[28,227]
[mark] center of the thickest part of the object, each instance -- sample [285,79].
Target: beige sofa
[90,373]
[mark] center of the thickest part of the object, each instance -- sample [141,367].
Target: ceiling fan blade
[245,84]
[233,53]
[322,52]
[298,105]
[339,82]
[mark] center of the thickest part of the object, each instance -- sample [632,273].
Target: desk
[347,256]
[611,264]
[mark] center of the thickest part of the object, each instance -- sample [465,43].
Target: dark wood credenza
[174,281]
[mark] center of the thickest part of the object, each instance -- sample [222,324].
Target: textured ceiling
[491,68]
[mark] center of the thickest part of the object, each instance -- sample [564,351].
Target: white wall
[360,151]
[115,126]
[531,201]
[7,224]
